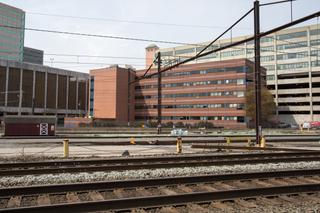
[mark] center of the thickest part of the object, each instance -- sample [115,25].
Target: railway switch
[66,148]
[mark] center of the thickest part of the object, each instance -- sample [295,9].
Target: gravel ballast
[146,173]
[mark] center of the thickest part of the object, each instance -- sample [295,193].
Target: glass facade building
[11,39]
[291,58]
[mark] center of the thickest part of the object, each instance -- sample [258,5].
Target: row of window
[211,70]
[196,83]
[315,42]
[232,53]
[264,39]
[196,95]
[292,66]
[269,67]
[239,119]
[188,106]
[292,55]
[292,35]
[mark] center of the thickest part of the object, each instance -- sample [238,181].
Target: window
[315,32]
[184,51]
[292,45]
[232,53]
[266,39]
[292,55]
[267,49]
[315,42]
[292,35]
[240,81]
[240,94]
[169,53]
[267,58]
[292,66]
[270,77]
[269,67]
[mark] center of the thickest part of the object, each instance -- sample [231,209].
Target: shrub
[204,124]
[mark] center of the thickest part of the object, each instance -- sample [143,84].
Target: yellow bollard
[66,148]
[228,140]
[179,145]
[263,142]
[132,141]
[249,142]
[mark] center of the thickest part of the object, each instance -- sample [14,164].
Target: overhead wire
[132,22]
[95,35]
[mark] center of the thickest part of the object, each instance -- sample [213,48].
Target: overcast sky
[207,18]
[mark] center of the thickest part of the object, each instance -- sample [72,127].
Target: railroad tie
[288,199]
[138,211]
[311,197]
[278,182]
[185,188]
[143,192]
[167,191]
[95,196]
[43,200]
[72,197]
[309,179]
[261,183]
[269,201]
[15,201]
[221,206]
[245,203]
[119,193]
[225,186]
[168,209]
[243,184]
[207,187]
[193,207]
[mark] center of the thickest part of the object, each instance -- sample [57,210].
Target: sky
[187,21]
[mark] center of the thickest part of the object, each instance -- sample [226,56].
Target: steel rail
[155,182]
[150,159]
[154,165]
[162,200]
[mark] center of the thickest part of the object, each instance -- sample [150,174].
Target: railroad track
[119,164]
[154,193]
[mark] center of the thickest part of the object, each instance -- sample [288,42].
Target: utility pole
[159,92]
[257,79]
[33,105]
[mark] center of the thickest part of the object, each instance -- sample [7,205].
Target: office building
[27,89]
[291,58]
[11,39]
[212,92]
[31,55]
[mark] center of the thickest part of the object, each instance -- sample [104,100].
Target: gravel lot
[143,174]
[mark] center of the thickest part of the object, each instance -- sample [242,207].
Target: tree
[268,107]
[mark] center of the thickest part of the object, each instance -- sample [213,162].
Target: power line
[314,15]
[132,22]
[93,63]
[80,55]
[96,35]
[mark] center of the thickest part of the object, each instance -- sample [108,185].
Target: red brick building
[213,92]
[110,96]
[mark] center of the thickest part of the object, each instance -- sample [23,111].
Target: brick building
[212,92]
[110,96]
